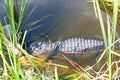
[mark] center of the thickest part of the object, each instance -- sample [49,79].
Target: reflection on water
[65,19]
[69,18]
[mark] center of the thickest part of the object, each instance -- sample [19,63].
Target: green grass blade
[101,22]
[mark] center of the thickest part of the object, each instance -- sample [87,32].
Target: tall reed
[109,33]
[10,48]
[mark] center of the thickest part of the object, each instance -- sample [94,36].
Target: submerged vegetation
[17,64]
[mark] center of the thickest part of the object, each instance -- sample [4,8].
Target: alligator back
[72,45]
[81,45]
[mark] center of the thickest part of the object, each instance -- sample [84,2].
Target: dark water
[68,18]
[65,19]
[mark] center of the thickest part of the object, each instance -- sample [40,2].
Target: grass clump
[110,35]
[10,49]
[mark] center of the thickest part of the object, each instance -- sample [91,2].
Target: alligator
[68,46]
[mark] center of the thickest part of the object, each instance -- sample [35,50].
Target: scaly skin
[69,46]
